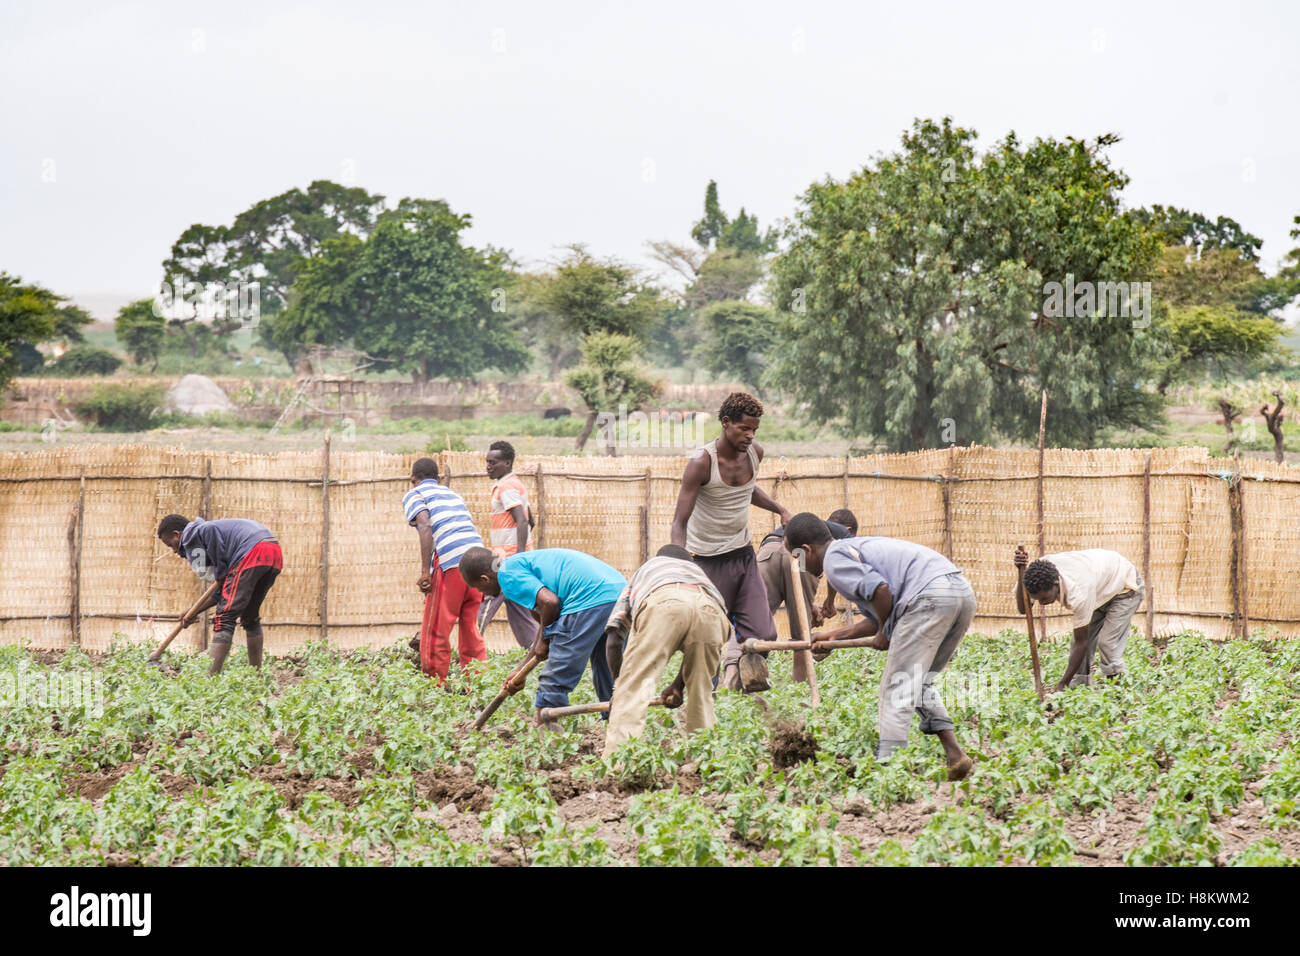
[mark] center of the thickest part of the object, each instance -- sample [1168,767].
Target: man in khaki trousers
[669,606]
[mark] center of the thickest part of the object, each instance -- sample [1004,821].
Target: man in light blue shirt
[917,605]
[571,595]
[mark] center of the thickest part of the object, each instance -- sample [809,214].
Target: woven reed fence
[1216,539]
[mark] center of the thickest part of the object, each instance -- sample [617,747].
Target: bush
[445,443]
[124,408]
[86,360]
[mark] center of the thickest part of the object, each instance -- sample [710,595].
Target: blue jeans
[575,639]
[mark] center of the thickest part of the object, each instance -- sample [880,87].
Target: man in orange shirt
[510,521]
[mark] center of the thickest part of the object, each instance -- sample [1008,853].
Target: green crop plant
[328,757]
[674,829]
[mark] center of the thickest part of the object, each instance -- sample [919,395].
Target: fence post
[846,482]
[643,517]
[1146,549]
[947,506]
[541,508]
[645,521]
[325,542]
[1234,557]
[1242,552]
[1042,529]
[205,512]
[74,560]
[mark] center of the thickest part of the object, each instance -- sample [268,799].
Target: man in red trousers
[446,532]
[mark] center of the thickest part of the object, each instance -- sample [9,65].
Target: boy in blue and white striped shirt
[446,532]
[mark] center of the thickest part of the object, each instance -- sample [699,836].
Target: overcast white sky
[559,122]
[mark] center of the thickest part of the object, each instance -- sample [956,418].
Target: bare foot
[961,769]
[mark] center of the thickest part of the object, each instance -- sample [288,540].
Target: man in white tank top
[712,522]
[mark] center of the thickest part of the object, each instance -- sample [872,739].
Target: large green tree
[30,315]
[729,258]
[609,377]
[141,331]
[1218,340]
[716,231]
[1272,295]
[266,244]
[539,327]
[412,294]
[601,295]
[913,297]
[724,266]
[1217,307]
[737,337]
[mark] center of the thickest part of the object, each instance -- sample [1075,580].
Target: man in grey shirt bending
[917,605]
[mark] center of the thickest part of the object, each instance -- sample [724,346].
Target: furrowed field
[351,759]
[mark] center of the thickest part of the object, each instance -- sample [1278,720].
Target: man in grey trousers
[917,605]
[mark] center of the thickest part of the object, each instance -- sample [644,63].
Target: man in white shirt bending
[1102,589]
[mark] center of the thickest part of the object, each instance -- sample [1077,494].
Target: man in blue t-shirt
[571,595]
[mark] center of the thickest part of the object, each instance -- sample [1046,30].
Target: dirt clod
[790,744]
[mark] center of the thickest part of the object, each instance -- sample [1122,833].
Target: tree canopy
[609,377]
[30,315]
[412,294]
[736,337]
[1179,227]
[141,330]
[601,295]
[912,294]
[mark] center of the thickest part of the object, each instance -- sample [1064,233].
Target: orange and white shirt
[507,492]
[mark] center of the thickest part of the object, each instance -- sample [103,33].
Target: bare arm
[695,475]
[520,515]
[426,548]
[672,695]
[882,602]
[761,499]
[547,609]
[1021,561]
[828,606]
[614,650]
[1077,651]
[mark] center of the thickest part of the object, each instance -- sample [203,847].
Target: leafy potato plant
[326,757]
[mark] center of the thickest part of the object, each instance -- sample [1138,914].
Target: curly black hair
[172,523]
[506,449]
[475,563]
[1041,576]
[845,517]
[739,405]
[425,468]
[806,528]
